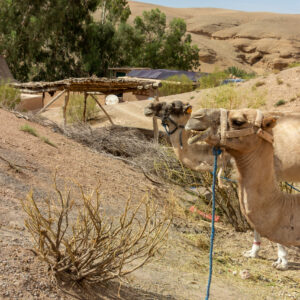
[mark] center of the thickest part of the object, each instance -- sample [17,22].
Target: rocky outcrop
[207,55]
[258,41]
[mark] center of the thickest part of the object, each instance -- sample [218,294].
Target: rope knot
[216,151]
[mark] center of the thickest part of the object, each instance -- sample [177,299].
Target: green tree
[154,44]
[49,40]
[41,39]
[152,29]
[114,11]
[99,49]
[178,49]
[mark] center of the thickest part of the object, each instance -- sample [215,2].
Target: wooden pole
[109,118]
[84,107]
[52,101]
[67,97]
[43,100]
[155,125]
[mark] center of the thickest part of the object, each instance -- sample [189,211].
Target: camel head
[240,130]
[178,111]
[204,124]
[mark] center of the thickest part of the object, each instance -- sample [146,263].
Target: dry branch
[91,248]
[15,166]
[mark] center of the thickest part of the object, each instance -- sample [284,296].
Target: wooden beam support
[84,107]
[67,97]
[52,101]
[155,130]
[43,100]
[109,118]
[155,125]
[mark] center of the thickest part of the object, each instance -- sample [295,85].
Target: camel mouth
[198,135]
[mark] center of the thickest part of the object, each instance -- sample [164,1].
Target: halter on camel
[164,123]
[225,134]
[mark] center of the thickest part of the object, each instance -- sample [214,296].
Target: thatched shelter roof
[91,84]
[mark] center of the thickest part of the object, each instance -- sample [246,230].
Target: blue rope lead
[216,153]
[292,187]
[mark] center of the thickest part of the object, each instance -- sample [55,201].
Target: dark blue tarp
[164,74]
[231,80]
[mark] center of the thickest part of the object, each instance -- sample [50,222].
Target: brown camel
[286,163]
[247,135]
[174,116]
[198,157]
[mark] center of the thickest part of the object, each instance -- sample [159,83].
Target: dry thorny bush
[86,246]
[136,146]
[227,203]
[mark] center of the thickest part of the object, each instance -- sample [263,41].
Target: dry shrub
[230,97]
[84,246]
[132,144]
[76,106]
[176,85]
[136,145]
[227,203]
[9,97]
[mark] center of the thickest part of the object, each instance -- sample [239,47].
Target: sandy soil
[180,274]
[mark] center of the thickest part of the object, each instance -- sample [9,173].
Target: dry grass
[227,205]
[230,97]
[135,146]
[9,97]
[27,128]
[279,81]
[76,107]
[82,246]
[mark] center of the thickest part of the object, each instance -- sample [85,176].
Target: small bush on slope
[9,97]
[82,246]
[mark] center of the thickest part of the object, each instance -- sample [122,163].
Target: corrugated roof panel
[164,74]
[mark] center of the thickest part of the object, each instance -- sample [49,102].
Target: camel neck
[256,167]
[178,136]
[272,213]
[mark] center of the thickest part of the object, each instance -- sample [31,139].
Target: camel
[259,148]
[286,163]
[197,156]
[174,116]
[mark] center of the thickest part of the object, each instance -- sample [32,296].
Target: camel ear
[188,109]
[269,122]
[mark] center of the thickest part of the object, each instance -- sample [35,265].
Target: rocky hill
[248,40]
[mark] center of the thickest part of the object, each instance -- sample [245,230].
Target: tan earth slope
[180,275]
[256,40]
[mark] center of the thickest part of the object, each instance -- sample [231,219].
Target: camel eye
[238,122]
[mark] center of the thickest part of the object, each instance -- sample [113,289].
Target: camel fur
[198,156]
[273,214]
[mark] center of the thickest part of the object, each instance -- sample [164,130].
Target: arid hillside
[117,156]
[28,162]
[256,41]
